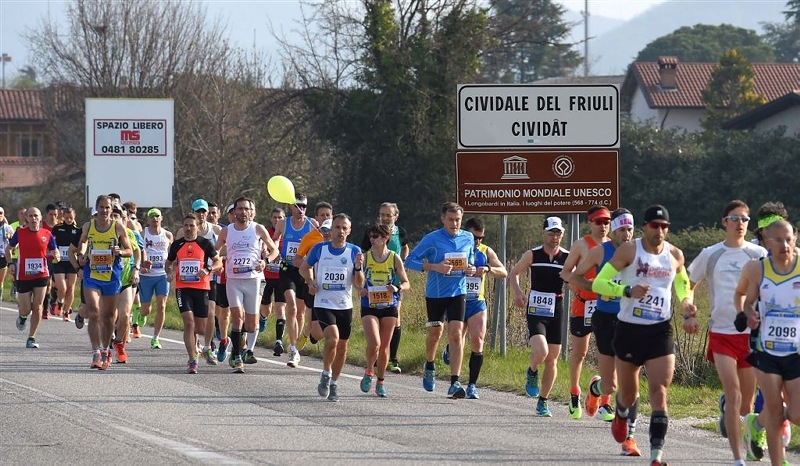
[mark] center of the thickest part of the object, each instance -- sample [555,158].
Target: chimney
[668,72]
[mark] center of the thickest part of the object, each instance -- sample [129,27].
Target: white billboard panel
[130,150]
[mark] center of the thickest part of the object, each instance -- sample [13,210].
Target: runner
[647,268]
[544,306]
[323,216]
[247,243]
[447,254]
[194,259]
[331,270]
[5,234]
[379,297]
[721,264]
[129,278]
[22,220]
[604,322]
[223,309]
[153,277]
[65,275]
[582,309]
[107,242]
[50,220]
[36,247]
[273,290]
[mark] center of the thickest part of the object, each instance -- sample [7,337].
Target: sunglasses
[478,238]
[301,206]
[602,221]
[656,225]
[375,236]
[738,218]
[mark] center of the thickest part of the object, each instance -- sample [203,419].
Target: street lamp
[6,58]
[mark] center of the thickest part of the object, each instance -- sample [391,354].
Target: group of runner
[304,270]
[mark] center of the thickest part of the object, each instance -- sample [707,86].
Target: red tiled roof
[772,80]
[21,104]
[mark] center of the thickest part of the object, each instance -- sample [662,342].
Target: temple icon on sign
[515,168]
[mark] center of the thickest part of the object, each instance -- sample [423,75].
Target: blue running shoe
[429,379]
[722,429]
[366,382]
[472,392]
[456,391]
[223,350]
[758,404]
[532,383]
[446,354]
[542,409]
[262,324]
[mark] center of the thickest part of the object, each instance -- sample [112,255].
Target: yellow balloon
[281,189]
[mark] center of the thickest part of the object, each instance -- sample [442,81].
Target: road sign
[534,182]
[538,116]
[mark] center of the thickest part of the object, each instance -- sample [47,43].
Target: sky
[245,20]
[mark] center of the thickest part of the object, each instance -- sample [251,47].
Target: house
[27,146]
[781,112]
[667,93]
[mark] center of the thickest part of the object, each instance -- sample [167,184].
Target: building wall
[789,118]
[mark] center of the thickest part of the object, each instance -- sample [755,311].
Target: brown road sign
[537,182]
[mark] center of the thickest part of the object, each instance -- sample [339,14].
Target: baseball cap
[656,212]
[553,223]
[116,209]
[200,204]
[326,225]
[153,213]
[231,208]
[94,211]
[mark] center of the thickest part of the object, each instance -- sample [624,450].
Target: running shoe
[31,343]
[658,463]
[238,365]
[722,429]
[754,439]
[210,357]
[542,409]
[472,392]
[45,314]
[380,390]
[65,315]
[394,367]
[136,332]
[79,321]
[456,391]
[105,359]
[786,433]
[249,357]
[575,411]
[294,358]
[366,382]
[619,428]
[758,403]
[223,350]
[428,379]
[324,386]
[332,395]
[592,400]
[605,413]
[154,343]
[262,324]
[629,448]
[122,356]
[21,323]
[302,341]
[446,354]
[192,367]
[532,383]
[95,360]
[278,349]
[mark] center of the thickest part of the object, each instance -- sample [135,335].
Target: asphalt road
[54,409]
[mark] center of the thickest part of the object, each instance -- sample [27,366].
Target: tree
[731,90]
[26,79]
[785,40]
[706,43]
[529,42]
[792,12]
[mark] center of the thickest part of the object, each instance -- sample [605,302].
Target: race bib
[780,332]
[333,278]
[379,296]
[588,311]
[541,304]
[652,307]
[100,260]
[291,251]
[188,270]
[64,251]
[157,261]
[241,265]
[459,262]
[34,266]
[473,288]
[275,266]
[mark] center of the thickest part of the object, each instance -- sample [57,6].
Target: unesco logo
[563,166]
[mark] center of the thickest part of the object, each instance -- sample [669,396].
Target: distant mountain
[615,48]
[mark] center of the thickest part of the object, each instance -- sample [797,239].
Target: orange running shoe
[629,447]
[592,400]
[105,359]
[136,332]
[619,428]
[122,356]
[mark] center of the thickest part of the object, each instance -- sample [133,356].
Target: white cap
[326,225]
[553,223]
[230,208]
[94,211]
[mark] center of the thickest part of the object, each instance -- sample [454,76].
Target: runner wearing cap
[545,309]
[604,322]
[36,247]
[648,268]
[273,290]
[153,277]
[129,278]
[582,309]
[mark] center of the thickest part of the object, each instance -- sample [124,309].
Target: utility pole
[6,58]
[586,38]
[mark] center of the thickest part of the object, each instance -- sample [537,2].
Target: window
[30,146]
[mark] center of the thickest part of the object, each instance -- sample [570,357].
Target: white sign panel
[130,150]
[538,116]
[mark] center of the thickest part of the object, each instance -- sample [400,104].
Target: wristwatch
[627,291]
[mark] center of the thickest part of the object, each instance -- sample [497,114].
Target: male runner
[153,277]
[129,278]
[273,290]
